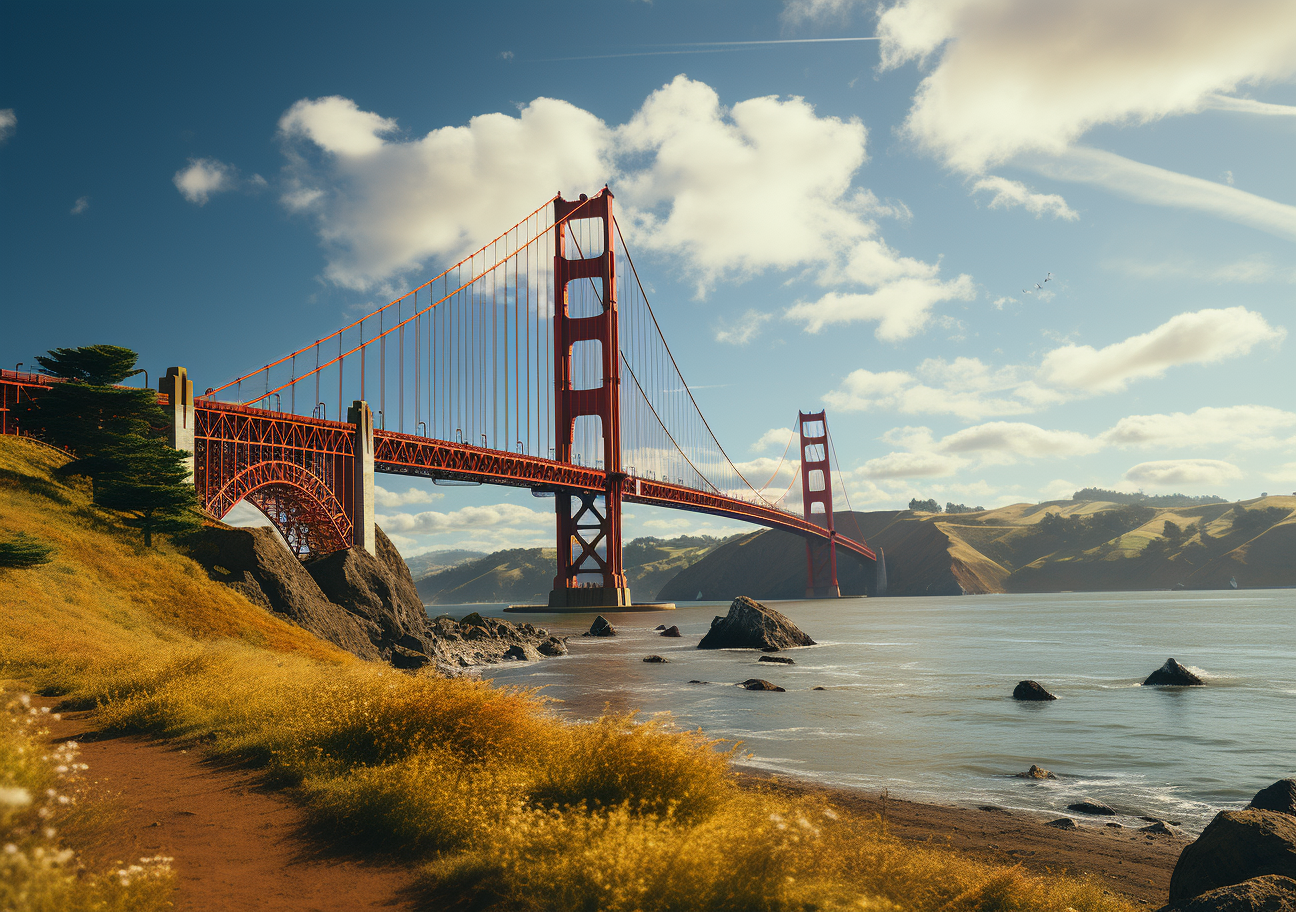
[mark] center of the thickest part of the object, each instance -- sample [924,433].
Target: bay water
[918,694]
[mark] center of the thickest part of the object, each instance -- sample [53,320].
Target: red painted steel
[16,386]
[591,527]
[813,428]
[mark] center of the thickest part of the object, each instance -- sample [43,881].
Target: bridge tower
[816,491]
[590,573]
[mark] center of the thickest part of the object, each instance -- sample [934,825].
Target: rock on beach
[1172,674]
[1267,893]
[1280,797]
[778,660]
[600,628]
[1235,847]
[1089,806]
[1036,772]
[656,660]
[751,625]
[671,631]
[758,684]
[1031,690]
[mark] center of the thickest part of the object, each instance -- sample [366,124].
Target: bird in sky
[1049,276]
[1039,286]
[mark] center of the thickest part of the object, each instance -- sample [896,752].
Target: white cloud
[901,308]
[385,498]
[1249,106]
[1252,270]
[81,205]
[1249,425]
[1190,338]
[1016,76]
[1150,184]
[204,178]
[912,465]
[475,519]
[1009,194]
[965,387]
[8,123]
[1174,472]
[774,437]
[1003,441]
[726,192]
[744,329]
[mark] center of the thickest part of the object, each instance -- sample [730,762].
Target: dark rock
[818,688]
[1159,820]
[1063,823]
[1280,797]
[1036,772]
[1114,825]
[699,682]
[1267,893]
[769,648]
[1161,828]
[407,659]
[1089,806]
[660,627]
[1236,846]
[551,646]
[1173,674]
[671,632]
[758,684]
[517,651]
[779,660]
[473,620]
[656,659]
[600,628]
[751,625]
[1031,690]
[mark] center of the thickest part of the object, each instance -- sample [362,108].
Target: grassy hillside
[1048,547]
[504,806]
[525,575]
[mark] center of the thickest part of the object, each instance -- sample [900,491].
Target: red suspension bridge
[535,362]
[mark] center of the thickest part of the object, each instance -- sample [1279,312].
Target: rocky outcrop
[656,660]
[1172,674]
[1063,823]
[600,628]
[1090,806]
[758,684]
[362,603]
[671,631]
[1235,847]
[1031,691]
[1280,797]
[1270,893]
[777,660]
[1036,772]
[751,625]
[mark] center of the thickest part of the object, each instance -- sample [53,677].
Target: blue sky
[217,185]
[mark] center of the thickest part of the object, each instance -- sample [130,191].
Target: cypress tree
[148,481]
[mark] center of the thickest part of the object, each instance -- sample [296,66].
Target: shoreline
[1134,864]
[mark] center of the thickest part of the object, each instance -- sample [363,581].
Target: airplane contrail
[771,41]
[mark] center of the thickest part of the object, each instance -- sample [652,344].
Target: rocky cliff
[364,604]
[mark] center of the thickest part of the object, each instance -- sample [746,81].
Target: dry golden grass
[505,805]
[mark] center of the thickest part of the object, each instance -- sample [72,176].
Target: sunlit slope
[1048,547]
[104,590]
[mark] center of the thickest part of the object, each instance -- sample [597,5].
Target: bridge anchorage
[535,362]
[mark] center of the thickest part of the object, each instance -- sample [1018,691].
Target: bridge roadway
[219,423]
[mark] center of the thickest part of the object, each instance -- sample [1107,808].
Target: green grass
[503,805]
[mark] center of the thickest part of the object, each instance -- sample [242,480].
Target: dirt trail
[236,847]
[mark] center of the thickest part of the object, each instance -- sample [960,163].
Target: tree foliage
[1086,531]
[23,551]
[98,365]
[924,506]
[960,508]
[1252,522]
[148,481]
[1147,500]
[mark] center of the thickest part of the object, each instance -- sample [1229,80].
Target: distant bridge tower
[816,491]
[590,572]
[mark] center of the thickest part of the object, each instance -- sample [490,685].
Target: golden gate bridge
[535,362]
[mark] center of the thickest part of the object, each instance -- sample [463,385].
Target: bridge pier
[360,416]
[816,490]
[178,389]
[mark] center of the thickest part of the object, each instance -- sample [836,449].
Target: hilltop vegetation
[1048,547]
[525,575]
[502,805]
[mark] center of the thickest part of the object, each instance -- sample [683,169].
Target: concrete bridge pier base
[177,386]
[362,487]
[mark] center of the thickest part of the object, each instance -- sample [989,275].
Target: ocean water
[918,697]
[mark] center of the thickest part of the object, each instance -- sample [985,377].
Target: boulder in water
[1089,806]
[1267,893]
[671,632]
[1031,690]
[1172,674]
[600,628]
[1235,847]
[552,646]
[1036,772]
[758,684]
[656,659]
[1280,797]
[751,625]
[778,660]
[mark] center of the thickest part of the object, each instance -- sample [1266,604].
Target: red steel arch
[301,506]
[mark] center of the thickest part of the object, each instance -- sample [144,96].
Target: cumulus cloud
[1176,472]
[1200,337]
[727,192]
[469,519]
[965,387]
[1249,425]
[744,329]
[774,437]
[1009,194]
[1003,441]
[912,465]
[1014,76]
[8,123]
[204,178]
[385,498]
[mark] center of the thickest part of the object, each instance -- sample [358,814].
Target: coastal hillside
[526,574]
[1080,545]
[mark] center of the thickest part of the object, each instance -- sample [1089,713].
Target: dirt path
[236,847]
[1127,861]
